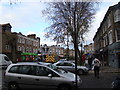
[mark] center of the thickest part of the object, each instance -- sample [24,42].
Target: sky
[26,17]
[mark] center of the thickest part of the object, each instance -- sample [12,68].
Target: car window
[67,64]
[28,69]
[42,71]
[64,64]
[14,69]
[6,58]
[60,64]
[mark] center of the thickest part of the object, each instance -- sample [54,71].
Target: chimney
[32,36]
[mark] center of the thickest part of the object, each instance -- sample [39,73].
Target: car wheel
[80,72]
[64,87]
[13,86]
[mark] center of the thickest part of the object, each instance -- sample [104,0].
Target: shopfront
[24,57]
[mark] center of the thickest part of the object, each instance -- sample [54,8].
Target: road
[105,80]
[89,81]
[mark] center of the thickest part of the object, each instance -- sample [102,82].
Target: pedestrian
[90,63]
[96,67]
[86,63]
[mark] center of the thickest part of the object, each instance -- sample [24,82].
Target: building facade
[89,48]
[28,44]
[107,38]
[15,44]
[56,49]
[6,39]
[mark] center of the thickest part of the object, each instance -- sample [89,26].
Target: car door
[67,66]
[26,76]
[43,79]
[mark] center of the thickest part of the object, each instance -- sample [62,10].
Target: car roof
[63,62]
[32,63]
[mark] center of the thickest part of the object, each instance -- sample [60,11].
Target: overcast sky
[25,17]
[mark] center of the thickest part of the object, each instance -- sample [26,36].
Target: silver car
[39,75]
[69,66]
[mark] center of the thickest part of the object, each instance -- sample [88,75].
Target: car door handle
[19,77]
[37,79]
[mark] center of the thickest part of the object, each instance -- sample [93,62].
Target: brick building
[6,39]
[15,44]
[107,38]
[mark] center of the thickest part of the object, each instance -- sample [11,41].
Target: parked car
[39,75]
[4,61]
[69,66]
[116,83]
[62,60]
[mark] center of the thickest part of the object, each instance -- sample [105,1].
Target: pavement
[107,69]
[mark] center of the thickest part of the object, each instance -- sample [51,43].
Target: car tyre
[64,87]
[13,86]
[80,72]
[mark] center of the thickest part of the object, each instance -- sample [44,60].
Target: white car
[4,61]
[39,75]
[69,66]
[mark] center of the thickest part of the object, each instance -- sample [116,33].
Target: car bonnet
[69,75]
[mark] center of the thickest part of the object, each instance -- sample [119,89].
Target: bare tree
[64,17]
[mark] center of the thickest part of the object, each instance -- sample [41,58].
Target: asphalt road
[89,81]
[105,80]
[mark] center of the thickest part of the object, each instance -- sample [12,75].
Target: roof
[32,63]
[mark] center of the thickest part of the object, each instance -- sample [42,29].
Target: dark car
[116,83]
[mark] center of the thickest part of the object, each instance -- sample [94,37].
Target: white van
[4,61]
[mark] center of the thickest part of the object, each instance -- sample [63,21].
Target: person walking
[96,67]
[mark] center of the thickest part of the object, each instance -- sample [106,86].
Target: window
[19,48]
[103,41]
[23,49]
[28,69]
[7,47]
[67,64]
[117,15]
[118,34]
[109,22]
[42,71]
[110,37]
[103,29]
[14,69]
[64,64]
[18,40]
[60,64]
[24,69]
[23,40]
[6,58]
